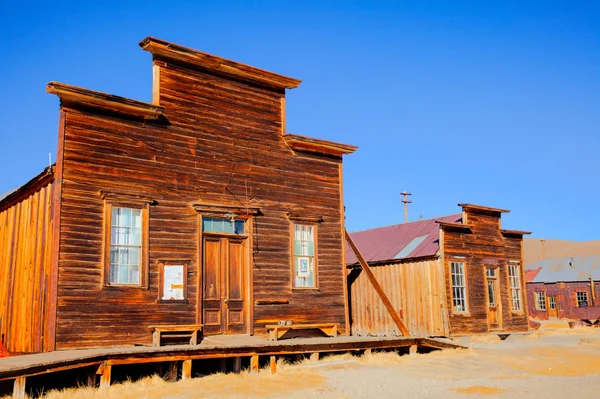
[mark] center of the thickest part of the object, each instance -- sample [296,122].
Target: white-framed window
[125,246]
[514,277]
[459,288]
[304,256]
[582,299]
[540,300]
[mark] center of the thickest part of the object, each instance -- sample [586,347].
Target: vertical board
[416,292]
[25,243]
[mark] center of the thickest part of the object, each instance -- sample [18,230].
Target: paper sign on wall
[303,267]
[173,282]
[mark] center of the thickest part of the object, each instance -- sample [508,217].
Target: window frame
[465,288]
[578,302]
[293,224]
[161,279]
[516,265]
[536,298]
[107,242]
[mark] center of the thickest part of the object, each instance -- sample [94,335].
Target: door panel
[494,311]
[212,286]
[224,285]
[552,307]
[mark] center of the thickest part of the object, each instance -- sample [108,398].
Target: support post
[19,387]
[254,364]
[223,365]
[172,372]
[105,372]
[368,353]
[388,305]
[314,357]
[273,364]
[237,364]
[186,369]
[91,380]
[412,350]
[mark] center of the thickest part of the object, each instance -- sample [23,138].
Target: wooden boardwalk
[18,368]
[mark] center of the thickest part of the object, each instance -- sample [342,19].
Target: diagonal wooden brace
[373,280]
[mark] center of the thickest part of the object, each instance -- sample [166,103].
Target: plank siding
[417,291]
[566,300]
[25,251]
[484,245]
[220,142]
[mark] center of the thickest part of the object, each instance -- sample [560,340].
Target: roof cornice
[450,225]
[483,208]
[77,96]
[309,144]
[514,232]
[177,53]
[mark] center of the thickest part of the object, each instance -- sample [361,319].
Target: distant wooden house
[454,275]
[564,288]
[197,208]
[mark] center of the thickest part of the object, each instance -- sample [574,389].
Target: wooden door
[224,285]
[551,306]
[494,311]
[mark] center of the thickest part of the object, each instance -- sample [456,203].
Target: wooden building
[197,208]
[456,275]
[564,288]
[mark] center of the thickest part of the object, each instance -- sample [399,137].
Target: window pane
[136,217]
[239,227]
[136,236]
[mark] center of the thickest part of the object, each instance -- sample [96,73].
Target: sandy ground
[555,362]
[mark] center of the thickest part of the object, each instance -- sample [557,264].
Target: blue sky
[493,103]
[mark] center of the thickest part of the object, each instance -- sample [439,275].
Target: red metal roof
[531,273]
[386,243]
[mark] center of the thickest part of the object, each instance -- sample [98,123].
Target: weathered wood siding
[417,291]
[220,142]
[484,245]
[566,300]
[25,249]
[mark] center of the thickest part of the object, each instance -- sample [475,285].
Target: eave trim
[515,232]
[175,52]
[33,185]
[450,225]
[309,144]
[77,96]
[483,208]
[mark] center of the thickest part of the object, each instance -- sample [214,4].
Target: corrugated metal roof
[385,243]
[531,273]
[567,269]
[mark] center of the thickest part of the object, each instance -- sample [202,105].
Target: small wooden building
[455,275]
[564,288]
[197,208]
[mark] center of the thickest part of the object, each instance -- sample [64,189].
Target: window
[582,300]
[459,289]
[304,256]
[552,302]
[514,277]
[540,300]
[222,225]
[125,257]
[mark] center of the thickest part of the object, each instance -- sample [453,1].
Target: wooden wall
[485,245]
[220,140]
[566,300]
[25,250]
[417,291]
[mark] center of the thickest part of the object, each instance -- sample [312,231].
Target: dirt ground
[554,362]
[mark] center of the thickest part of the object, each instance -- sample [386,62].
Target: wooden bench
[276,331]
[170,331]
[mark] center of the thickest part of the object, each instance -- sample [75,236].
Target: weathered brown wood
[377,286]
[173,371]
[237,364]
[105,376]
[276,331]
[19,387]
[273,364]
[254,364]
[186,369]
